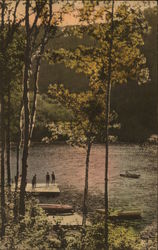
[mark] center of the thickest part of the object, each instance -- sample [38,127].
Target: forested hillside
[135,104]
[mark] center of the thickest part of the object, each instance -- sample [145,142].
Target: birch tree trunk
[17,164]
[26,112]
[44,41]
[85,197]
[8,138]
[16,183]
[18,146]
[108,93]
[3,216]
[35,95]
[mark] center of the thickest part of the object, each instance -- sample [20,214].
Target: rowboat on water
[130,175]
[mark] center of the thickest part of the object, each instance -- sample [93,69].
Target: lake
[69,166]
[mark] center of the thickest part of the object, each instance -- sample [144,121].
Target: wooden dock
[41,189]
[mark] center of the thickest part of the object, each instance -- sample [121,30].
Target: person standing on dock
[47,179]
[16,179]
[34,181]
[53,177]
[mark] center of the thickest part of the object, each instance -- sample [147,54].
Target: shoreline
[147,232]
[69,195]
[40,143]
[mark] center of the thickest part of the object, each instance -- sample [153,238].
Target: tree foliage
[128,62]
[88,112]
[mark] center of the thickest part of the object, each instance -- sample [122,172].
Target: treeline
[136,105]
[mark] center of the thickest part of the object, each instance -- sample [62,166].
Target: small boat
[57,208]
[130,175]
[129,215]
[123,215]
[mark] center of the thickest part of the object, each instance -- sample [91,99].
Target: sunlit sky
[71,19]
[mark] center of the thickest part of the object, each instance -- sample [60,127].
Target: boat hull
[57,208]
[134,176]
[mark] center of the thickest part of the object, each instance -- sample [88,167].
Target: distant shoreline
[35,143]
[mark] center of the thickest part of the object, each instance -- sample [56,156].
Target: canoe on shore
[57,208]
[120,215]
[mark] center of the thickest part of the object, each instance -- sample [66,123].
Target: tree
[86,127]
[115,58]
[8,27]
[31,36]
[13,72]
[108,95]
[2,127]
[37,36]
[113,45]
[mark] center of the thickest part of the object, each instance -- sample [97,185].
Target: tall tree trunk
[19,143]
[8,139]
[85,197]
[18,146]
[26,143]
[16,183]
[35,94]
[17,164]
[44,41]
[3,216]
[108,93]
[26,112]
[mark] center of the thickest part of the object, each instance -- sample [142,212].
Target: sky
[71,19]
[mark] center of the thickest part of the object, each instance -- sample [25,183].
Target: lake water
[69,166]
